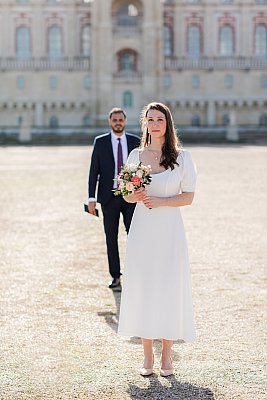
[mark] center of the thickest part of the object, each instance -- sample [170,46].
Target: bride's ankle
[148,361]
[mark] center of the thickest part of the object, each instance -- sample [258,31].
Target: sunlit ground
[58,318]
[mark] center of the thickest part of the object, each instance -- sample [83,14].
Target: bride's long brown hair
[172,144]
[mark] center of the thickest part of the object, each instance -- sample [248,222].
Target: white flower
[133,167]
[139,173]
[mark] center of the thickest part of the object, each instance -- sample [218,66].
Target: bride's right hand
[140,194]
[137,196]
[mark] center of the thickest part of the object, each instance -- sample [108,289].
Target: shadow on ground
[176,390]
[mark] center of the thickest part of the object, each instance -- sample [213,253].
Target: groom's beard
[118,129]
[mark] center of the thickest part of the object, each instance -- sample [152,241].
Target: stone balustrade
[43,64]
[216,63]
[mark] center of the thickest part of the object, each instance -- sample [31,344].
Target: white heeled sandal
[166,372]
[147,371]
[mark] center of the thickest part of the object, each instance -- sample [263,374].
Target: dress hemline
[179,339]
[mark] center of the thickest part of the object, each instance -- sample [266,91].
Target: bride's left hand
[152,201]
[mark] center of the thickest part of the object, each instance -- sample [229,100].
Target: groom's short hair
[117,110]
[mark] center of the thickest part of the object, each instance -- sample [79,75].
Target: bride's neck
[156,145]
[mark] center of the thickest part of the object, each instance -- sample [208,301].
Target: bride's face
[156,123]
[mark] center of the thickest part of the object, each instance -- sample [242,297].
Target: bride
[156,300]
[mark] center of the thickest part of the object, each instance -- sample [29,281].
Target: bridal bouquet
[132,177]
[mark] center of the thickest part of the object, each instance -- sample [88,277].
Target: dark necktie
[120,159]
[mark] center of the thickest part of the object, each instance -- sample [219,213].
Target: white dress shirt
[115,143]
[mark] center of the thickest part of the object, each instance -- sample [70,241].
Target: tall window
[127,99]
[263,120]
[53,121]
[261,40]
[86,41]
[53,82]
[168,41]
[127,61]
[228,81]
[127,15]
[263,81]
[87,120]
[226,40]
[225,119]
[23,46]
[195,81]
[55,42]
[20,82]
[194,41]
[195,120]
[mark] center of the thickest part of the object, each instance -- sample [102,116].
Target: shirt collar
[115,137]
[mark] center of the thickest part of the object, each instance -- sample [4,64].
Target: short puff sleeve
[133,157]
[189,173]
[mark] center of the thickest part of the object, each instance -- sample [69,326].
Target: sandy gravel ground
[58,319]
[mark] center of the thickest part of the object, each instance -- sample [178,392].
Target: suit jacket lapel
[110,151]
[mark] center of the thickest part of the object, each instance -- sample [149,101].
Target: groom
[110,152]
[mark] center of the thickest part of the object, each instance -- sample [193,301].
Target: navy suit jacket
[103,166]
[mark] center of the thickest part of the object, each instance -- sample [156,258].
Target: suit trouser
[111,213]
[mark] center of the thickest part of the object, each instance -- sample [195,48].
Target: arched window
[86,41]
[226,40]
[53,122]
[225,119]
[127,15]
[195,120]
[127,99]
[263,120]
[194,41]
[55,42]
[168,41]
[127,60]
[261,40]
[23,45]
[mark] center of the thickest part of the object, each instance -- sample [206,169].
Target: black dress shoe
[115,283]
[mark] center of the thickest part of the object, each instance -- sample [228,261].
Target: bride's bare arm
[183,199]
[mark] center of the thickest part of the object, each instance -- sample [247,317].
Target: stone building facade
[65,63]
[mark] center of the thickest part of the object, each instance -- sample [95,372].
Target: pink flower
[129,186]
[136,180]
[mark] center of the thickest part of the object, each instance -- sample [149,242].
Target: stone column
[211,113]
[232,129]
[152,50]
[25,135]
[103,96]
[39,114]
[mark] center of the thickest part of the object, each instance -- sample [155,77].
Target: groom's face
[117,123]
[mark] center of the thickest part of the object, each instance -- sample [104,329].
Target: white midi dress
[156,299]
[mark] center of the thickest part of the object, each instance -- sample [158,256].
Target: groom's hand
[91,207]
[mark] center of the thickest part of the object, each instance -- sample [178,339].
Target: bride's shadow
[156,391]
[112,319]
[176,390]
